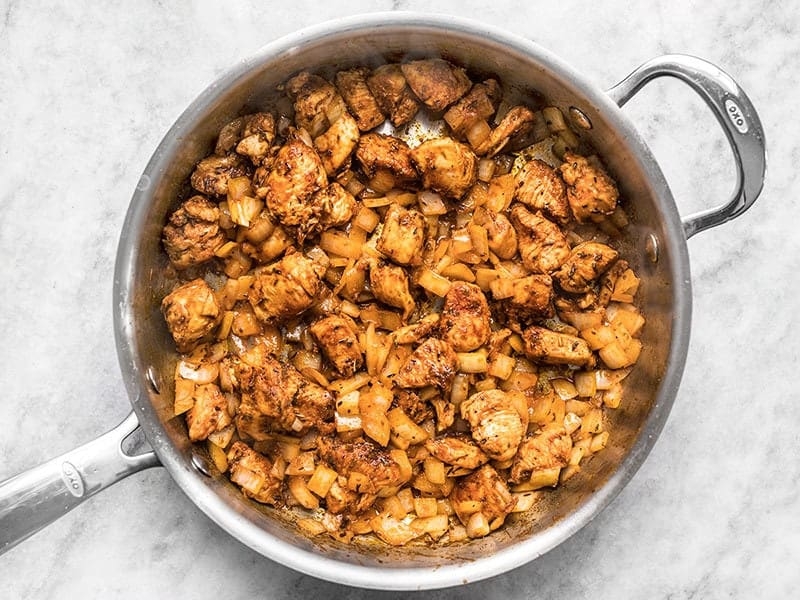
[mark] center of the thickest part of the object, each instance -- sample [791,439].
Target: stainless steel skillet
[655,246]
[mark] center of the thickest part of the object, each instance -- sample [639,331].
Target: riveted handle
[37,497]
[736,115]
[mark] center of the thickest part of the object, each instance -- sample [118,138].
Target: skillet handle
[37,497]
[735,113]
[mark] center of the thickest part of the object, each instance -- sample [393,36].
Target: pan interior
[524,70]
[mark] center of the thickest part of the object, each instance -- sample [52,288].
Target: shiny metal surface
[144,345]
[39,496]
[736,115]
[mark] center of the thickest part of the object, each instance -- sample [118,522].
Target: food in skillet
[400,332]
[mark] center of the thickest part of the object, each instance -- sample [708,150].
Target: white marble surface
[86,92]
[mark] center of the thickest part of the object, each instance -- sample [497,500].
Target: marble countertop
[87,90]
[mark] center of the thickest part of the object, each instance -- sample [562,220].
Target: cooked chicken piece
[251,470]
[192,312]
[417,409]
[337,143]
[497,421]
[586,262]
[192,235]
[539,186]
[389,283]
[487,487]
[592,194]
[250,135]
[285,288]
[532,298]
[336,206]
[211,175]
[364,457]
[411,334]
[458,450]
[501,234]
[378,152]
[547,449]
[291,402]
[338,338]
[479,104]
[445,413]
[542,245]
[466,319]
[402,235]
[317,104]
[432,363]
[209,413]
[447,166]
[516,121]
[391,92]
[296,174]
[554,348]
[352,85]
[436,82]
[258,134]
[251,423]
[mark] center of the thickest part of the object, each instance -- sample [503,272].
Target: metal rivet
[201,463]
[152,379]
[579,118]
[651,247]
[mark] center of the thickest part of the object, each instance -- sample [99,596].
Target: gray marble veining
[86,93]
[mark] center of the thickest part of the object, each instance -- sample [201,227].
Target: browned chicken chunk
[384,153]
[447,166]
[402,235]
[539,186]
[532,297]
[391,92]
[458,450]
[250,135]
[411,404]
[592,194]
[251,471]
[209,413]
[317,104]
[586,262]
[486,487]
[337,143]
[389,283]
[542,245]
[436,82]
[337,337]
[336,206]
[352,85]
[192,312]
[192,235]
[251,423]
[434,362]
[501,235]
[497,420]
[479,104]
[212,174]
[281,393]
[296,175]
[554,348]
[466,320]
[365,457]
[285,288]
[547,449]
[515,122]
